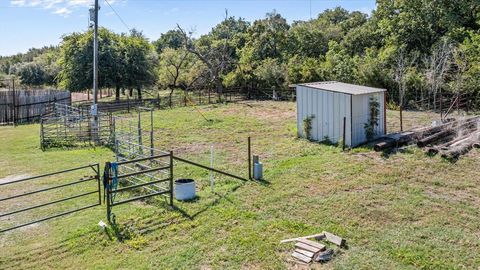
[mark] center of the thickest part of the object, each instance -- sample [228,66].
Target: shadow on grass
[129,229]
[45,255]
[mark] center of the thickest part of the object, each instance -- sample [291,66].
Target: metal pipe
[49,203]
[142,159]
[142,172]
[49,174]
[208,168]
[50,217]
[141,185]
[48,189]
[139,198]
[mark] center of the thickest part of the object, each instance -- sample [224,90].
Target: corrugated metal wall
[329,109]
[361,111]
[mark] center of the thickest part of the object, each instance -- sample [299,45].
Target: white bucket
[185,189]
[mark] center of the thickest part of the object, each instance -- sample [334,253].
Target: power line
[118,15]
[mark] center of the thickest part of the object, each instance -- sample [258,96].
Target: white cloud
[171,11]
[62,11]
[60,7]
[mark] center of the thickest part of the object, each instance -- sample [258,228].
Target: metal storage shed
[330,102]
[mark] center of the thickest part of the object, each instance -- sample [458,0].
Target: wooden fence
[21,106]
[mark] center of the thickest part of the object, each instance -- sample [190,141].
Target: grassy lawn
[402,211]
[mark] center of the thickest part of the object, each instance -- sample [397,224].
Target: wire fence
[68,126]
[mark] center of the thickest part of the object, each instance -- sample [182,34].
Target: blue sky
[34,23]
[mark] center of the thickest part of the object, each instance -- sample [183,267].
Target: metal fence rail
[93,178]
[137,179]
[68,126]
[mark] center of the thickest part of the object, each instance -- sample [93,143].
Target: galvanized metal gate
[92,180]
[138,179]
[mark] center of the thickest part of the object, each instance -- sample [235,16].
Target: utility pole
[94,18]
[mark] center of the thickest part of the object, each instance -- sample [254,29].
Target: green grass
[403,211]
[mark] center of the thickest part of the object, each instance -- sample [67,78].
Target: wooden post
[401,119]
[128,104]
[344,132]
[385,113]
[441,105]
[212,181]
[14,106]
[249,158]
[41,135]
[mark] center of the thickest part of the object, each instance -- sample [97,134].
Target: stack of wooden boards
[451,139]
[308,251]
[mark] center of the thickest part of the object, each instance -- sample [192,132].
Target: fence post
[97,176]
[14,108]
[151,133]
[401,118]
[171,178]
[128,104]
[344,132]
[107,192]
[140,143]
[249,159]
[212,181]
[42,146]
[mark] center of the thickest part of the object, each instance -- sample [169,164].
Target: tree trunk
[130,92]
[139,92]
[117,93]
[219,87]
[170,98]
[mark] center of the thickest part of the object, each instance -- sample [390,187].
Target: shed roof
[347,88]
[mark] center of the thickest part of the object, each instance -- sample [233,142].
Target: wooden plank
[312,243]
[301,257]
[304,252]
[332,238]
[307,247]
[318,235]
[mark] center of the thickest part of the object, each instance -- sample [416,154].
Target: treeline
[416,49]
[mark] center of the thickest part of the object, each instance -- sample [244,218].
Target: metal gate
[138,179]
[92,180]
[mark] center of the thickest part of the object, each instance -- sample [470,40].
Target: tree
[339,65]
[140,62]
[172,39]
[125,61]
[272,74]
[217,50]
[174,69]
[438,64]
[30,73]
[402,65]
[268,37]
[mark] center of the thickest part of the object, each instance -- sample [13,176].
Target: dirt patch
[458,196]
[264,110]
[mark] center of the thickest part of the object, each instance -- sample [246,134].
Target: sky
[28,24]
